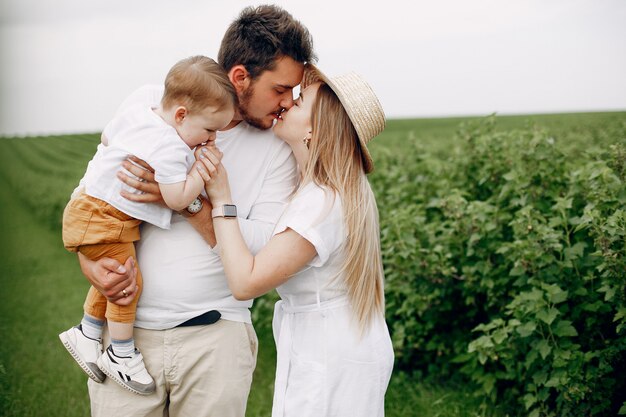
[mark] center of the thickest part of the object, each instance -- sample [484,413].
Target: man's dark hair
[260,35]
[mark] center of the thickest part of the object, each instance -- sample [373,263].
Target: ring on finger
[124,293]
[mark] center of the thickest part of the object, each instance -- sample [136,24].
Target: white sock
[123,348]
[91,326]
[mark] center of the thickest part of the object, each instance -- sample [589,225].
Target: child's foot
[84,350]
[129,372]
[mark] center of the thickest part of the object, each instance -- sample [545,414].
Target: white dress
[324,367]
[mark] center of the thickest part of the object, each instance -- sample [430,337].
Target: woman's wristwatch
[227,211]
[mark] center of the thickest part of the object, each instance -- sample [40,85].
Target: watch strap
[192,209]
[228,211]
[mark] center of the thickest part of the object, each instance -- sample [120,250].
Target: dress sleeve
[315,214]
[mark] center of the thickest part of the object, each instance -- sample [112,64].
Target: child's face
[200,127]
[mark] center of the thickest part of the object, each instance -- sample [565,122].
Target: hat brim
[312,75]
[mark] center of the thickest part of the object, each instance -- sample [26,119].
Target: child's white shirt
[137,130]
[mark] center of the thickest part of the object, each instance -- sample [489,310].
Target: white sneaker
[129,372]
[84,350]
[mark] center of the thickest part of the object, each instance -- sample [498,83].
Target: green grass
[42,290]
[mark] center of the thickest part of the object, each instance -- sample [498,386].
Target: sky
[65,65]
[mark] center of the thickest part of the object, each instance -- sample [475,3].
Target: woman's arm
[250,276]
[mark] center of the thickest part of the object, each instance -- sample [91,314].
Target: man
[203,367]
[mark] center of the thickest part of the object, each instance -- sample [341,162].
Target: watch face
[195,206]
[230,210]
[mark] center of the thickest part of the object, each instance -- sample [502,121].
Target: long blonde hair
[336,161]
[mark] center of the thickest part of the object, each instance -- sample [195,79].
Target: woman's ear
[239,78]
[180,114]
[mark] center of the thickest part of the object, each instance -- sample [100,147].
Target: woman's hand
[146,183]
[214,174]
[115,281]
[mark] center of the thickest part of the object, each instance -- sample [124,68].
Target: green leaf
[489,382]
[622,410]
[529,400]
[555,293]
[620,315]
[575,252]
[499,336]
[555,381]
[544,348]
[531,357]
[517,271]
[540,377]
[564,328]
[548,315]
[527,329]
[609,292]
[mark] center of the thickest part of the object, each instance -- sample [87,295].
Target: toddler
[98,222]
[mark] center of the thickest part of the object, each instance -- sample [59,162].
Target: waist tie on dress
[281,326]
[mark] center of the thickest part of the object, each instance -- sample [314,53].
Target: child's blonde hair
[198,82]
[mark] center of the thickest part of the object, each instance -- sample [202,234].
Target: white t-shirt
[137,130]
[316,214]
[182,276]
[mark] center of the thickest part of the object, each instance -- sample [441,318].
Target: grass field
[42,289]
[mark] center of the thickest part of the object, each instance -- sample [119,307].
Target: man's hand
[115,281]
[146,183]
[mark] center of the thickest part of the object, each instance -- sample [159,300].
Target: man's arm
[203,222]
[111,278]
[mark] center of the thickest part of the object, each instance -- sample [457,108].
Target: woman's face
[295,124]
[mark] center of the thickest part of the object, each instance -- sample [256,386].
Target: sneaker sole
[121,383]
[79,361]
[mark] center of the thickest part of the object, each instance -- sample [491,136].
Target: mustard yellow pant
[98,230]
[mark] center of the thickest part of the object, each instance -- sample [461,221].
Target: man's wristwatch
[193,208]
[227,211]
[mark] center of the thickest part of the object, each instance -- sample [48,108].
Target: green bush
[506,264]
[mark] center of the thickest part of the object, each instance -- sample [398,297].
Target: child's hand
[209,145]
[214,175]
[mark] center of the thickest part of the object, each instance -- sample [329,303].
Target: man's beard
[244,104]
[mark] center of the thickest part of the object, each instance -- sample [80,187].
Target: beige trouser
[199,371]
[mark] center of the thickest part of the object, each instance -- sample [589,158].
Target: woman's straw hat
[360,102]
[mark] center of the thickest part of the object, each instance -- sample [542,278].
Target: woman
[334,351]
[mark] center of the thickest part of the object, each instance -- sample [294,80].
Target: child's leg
[120,318]
[94,311]
[121,361]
